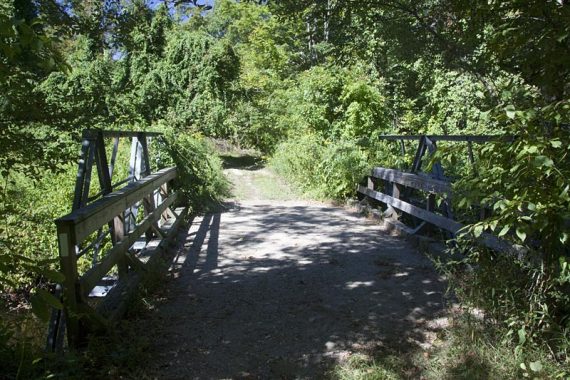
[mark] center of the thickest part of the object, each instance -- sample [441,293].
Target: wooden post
[148,201]
[68,263]
[437,169]
[113,157]
[118,235]
[417,164]
[370,184]
[160,196]
[83,179]
[145,159]
[430,205]
[395,190]
[391,211]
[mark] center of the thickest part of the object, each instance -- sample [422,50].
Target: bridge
[263,288]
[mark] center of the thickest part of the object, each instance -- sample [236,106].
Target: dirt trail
[286,289]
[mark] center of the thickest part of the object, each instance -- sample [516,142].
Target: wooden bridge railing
[395,183]
[136,240]
[396,180]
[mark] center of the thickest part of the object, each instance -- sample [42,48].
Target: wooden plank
[115,303]
[90,218]
[81,173]
[438,220]
[110,133]
[412,180]
[456,138]
[68,265]
[420,151]
[90,279]
[87,181]
[395,190]
[486,239]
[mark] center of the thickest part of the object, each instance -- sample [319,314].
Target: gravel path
[287,289]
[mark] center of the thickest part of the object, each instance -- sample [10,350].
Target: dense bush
[525,183]
[200,178]
[323,169]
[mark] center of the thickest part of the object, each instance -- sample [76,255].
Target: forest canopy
[311,85]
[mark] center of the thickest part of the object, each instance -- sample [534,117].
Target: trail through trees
[288,288]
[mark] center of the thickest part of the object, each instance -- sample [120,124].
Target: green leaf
[521,234]
[53,275]
[564,192]
[39,307]
[49,299]
[540,161]
[522,336]
[535,366]
[504,231]
[478,230]
[556,143]
[532,149]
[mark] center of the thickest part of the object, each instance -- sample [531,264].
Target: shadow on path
[242,162]
[288,290]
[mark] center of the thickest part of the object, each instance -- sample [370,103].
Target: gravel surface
[287,289]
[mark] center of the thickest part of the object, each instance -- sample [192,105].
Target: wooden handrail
[76,226]
[108,133]
[420,182]
[457,138]
[427,215]
[86,220]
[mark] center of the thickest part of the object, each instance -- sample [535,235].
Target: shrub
[200,176]
[320,168]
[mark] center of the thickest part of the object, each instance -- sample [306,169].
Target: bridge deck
[286,289]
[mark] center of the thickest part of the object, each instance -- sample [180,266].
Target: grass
[252,180]
[467,350]
[362,367]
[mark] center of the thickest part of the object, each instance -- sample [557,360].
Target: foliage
[200,177]
[530,204]
[314,83]
[361,367]
[472,348]
[324,169]
[29,207]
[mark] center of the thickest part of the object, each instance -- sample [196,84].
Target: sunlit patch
[330,345]
[401,274]
[359,284]
[261,269]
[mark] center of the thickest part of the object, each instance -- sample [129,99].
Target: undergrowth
[320,168]
[469,349]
